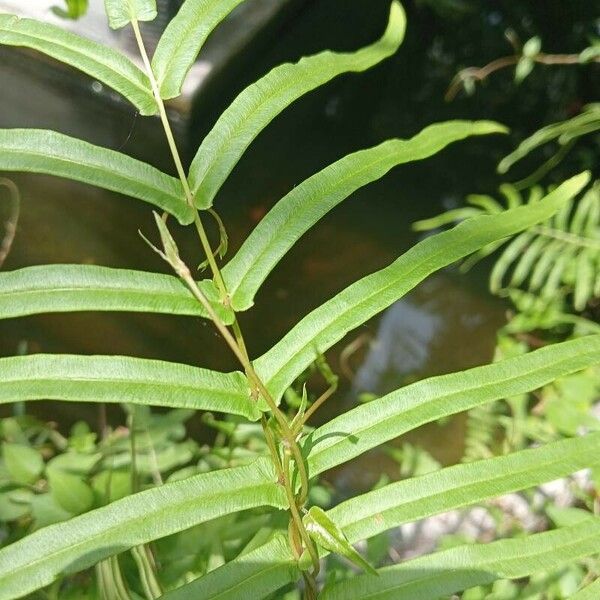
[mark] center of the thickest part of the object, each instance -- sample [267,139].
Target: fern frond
[559,256]
[481,432]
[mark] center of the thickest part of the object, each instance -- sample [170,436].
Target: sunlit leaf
[444,573]
[68,288]
[370,425]
[41,151]
[262,101]
[299,210]
[182,40]
[103,63]
[122,12]
[123,379]
[324,531]
[367,297]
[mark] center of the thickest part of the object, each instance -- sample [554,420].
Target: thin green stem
[317,404]
[236,344]
[177,160]
[308,543]
[568,238]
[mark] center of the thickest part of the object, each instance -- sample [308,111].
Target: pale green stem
[568,238]
[237,346]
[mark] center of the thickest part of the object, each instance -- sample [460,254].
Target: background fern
[560,256]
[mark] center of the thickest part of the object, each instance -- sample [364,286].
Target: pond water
[446,324]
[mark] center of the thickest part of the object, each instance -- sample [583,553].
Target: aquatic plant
[279,482]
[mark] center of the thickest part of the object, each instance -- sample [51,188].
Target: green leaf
[23,463]
[122,12]
[41,151]
[70,491]
[15,504]
[69,547]
[123,379]
[255,574]
[75,9]
[462,485]
[364,299]
[100,62]
[182,40]
[443,573]
[45,511]
[590,117]
[523,69]
[589,592]
[405,501]
[261,102]
[68,288]
[532,47]
[370,425]
[299,210]
[324,531]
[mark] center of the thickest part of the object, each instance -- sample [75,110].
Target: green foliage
[182,40]
[564,133]
[123,379]
[122,12]
[299,210]
[241,518]
[75,9]
[70,288]
[104,64]
[556,257]
[444,573]
[39,151]
[262,101]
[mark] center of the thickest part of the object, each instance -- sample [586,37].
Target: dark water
[446,324]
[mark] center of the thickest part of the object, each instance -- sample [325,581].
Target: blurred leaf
[24,463]
[523,69]
[46,511]
[75,9]
[532,47]
[111,485]
[122,12]
[70,491]
[14,504]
